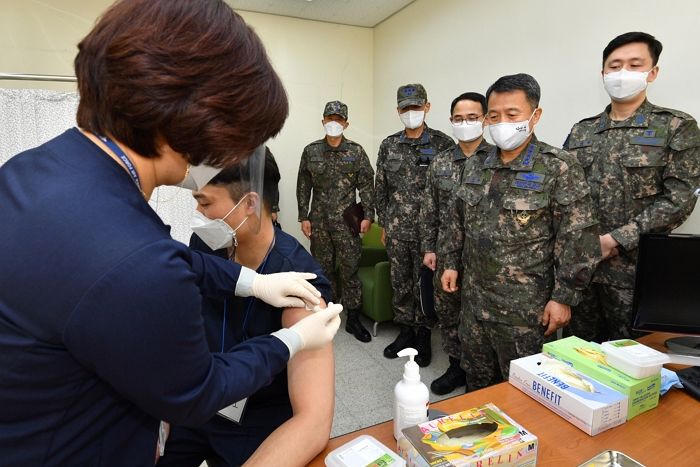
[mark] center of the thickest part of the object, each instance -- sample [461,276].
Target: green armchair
[375,278]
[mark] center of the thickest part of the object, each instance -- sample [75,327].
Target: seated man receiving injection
[289,421]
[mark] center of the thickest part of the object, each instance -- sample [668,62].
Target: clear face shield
[251,181]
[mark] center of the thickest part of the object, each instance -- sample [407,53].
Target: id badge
[234,412]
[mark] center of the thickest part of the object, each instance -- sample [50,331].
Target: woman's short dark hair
[189,73]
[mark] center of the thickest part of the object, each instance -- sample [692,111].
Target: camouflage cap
[336,108]
[411,94]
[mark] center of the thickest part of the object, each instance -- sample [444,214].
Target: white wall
[318,62]
[41,37]
[451,46]
[454,46]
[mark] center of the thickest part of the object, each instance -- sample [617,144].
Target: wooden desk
[665,436]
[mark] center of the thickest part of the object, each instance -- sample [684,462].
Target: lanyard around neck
[251,301]
[124,158]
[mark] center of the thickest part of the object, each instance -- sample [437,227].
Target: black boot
[355,327]
[425,353]
[406,338]
[453,378]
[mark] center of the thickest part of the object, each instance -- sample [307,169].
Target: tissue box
[582,401]
[476,437]
[588,358]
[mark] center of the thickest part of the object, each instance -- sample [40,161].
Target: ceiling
[366,13]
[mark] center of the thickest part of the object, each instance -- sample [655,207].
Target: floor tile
[365,379]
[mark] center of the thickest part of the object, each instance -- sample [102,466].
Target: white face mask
[197,176]
[468,131]
[510,135]
[412,119]
[216,233]
[624,85]
[333,128]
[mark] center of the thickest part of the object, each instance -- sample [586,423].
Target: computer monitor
[667,289]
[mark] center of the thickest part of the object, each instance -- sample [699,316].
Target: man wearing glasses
[402,166]
[467,118]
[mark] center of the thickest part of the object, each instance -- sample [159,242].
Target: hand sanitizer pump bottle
[411,396]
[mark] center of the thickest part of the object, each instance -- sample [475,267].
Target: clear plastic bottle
[411,396]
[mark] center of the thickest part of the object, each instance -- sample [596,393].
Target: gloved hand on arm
[281,289]
[312,332]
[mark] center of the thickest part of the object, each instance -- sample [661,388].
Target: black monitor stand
[685,345]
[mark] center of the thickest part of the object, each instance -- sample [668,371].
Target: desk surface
[666,435]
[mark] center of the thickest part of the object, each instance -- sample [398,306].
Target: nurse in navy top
[288,422]
[101,332]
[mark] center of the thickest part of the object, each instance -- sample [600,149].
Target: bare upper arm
[291,315]
[311,376]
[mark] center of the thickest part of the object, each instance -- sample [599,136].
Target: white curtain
[30,117]
[175,205]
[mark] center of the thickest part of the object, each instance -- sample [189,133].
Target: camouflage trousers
[488,348]
[340,247]
[604,313]
[405,261]
[447,310]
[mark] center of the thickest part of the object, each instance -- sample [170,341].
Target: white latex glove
[319,328]
[286,289]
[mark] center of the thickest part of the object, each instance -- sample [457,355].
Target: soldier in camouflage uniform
[402,166]
[523,227]
[335,169]
[467,116]
[642,163]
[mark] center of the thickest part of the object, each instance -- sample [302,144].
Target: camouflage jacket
[525,233]
[334,175]
[642,173]
[443,175]
[402,166]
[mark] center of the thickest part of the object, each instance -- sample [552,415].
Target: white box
[582,401]
[363,451]
[634,359]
